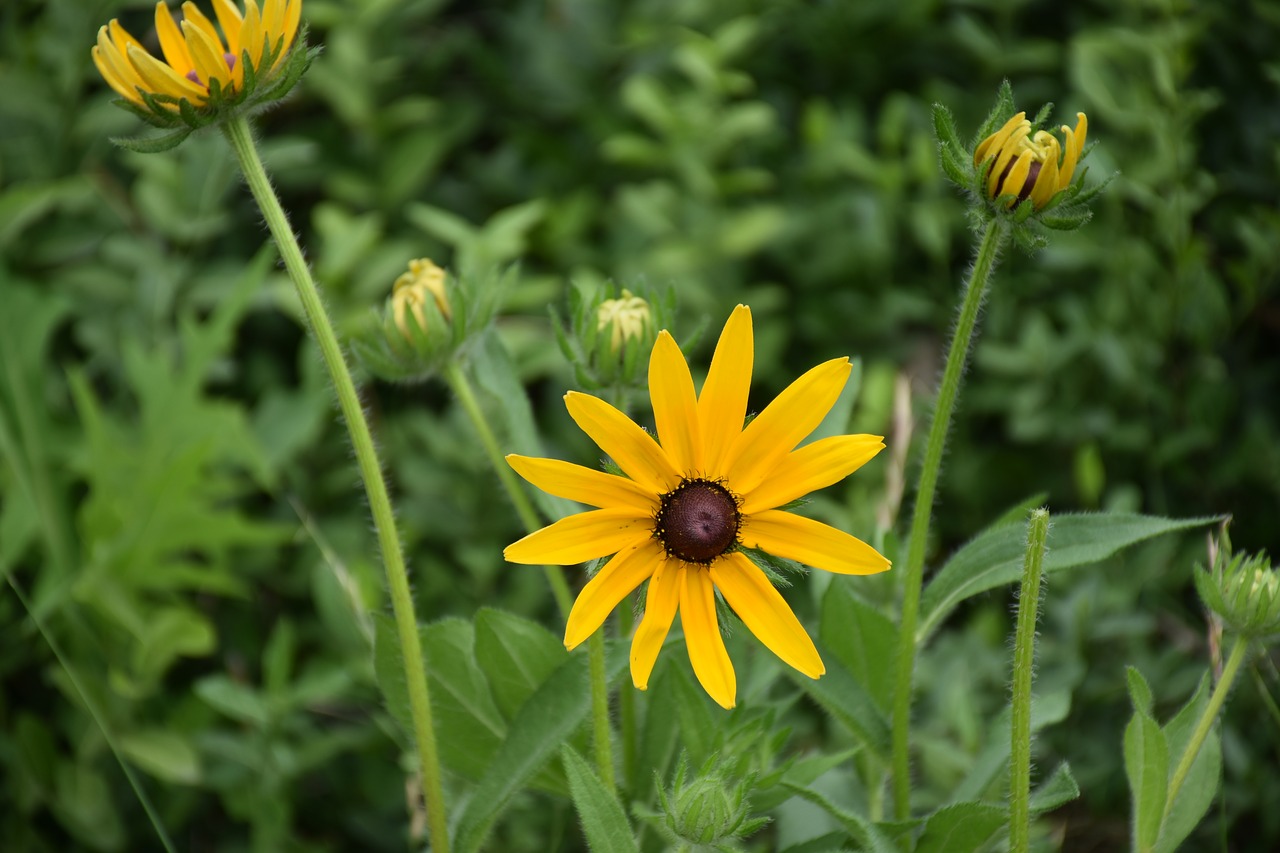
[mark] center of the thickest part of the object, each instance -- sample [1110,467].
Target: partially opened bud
[609,337]
[423,284]
[209,72]
[627,318]
[1025,165]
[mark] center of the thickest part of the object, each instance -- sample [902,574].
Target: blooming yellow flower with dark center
[693,499]
[194,53]
[1030,166]
[412,289]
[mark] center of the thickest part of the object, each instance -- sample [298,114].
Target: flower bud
[609,337]
[708,811]
[1244,591]
[624,319]
[422,284]
[1021,165]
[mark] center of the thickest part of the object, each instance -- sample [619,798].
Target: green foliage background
[176,493]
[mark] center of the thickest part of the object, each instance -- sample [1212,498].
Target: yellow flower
[693,499]
[1030,166]
[628,317]
[195,55]
[411,291]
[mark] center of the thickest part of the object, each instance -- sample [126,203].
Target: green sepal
[153,144]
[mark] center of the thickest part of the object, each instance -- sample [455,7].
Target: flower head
[692,502]
[1030,166]
[204,73]
[412,290]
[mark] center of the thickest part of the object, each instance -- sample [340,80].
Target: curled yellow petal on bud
[627,317]
[413,289]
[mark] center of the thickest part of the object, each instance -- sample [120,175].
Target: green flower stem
[627,700]
[993,239]
[524,507]
[559,586]
[1234,660]
[601,730]
[1023,662]
[240,136]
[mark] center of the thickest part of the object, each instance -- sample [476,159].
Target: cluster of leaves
[177,495]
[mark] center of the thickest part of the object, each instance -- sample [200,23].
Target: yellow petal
[659,610]
[810,542]
[707,653]
[578,483]
[161,79]
[251,34]
[230,19]
[765,613]
[628,569]
[812,467]
[675,406]
[115,76]
[211,64]
[993,143]
[171,41]
[581,537]
[292,16]
[1017,179]
[722,405]
[632,448]
[273,21]
[784,423]
[1006,153]
[121,38]
[1047,181]
[1074,145]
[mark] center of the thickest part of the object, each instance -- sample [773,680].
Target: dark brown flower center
[698,521]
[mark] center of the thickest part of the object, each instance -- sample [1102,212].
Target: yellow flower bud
[628,316]
[412,289]
[1030,166]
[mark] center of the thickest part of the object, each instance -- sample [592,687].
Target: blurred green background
[177,496]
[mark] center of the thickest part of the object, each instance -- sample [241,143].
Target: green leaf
[238,701]
[469,726]
[1139,690]
[1201,783]
[865,833]
[846,700]
[1059,789]
[1146,763]
[604,822]
[164,754]
[516,654]
[543,723]
[994,557]
[961,828]
[862,638]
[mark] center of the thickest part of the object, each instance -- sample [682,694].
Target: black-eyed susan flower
[694,499]
[207,70]
[1030,166]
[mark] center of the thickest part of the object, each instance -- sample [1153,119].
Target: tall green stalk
[1240,645]
[993,239]
[1023,665]
[602,733]
[240,136]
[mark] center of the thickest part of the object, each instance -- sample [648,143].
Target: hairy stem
[993,239]
[1023,664]
[240,136]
